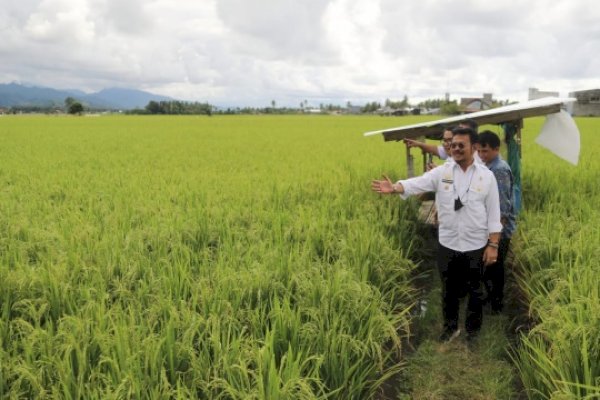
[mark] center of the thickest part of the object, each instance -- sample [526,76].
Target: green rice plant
[287,376]
[557,252]
[223,257]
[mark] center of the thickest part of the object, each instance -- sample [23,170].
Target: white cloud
[58,21]
[242,52]
[128,17]
[275,29]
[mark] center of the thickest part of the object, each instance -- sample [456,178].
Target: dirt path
[454,370]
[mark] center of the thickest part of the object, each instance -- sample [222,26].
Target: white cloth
[560,135]
[469,227]
[442,153]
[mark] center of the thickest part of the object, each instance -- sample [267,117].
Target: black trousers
[461,274]
[494,275]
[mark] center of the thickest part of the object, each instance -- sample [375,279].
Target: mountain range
[19,95]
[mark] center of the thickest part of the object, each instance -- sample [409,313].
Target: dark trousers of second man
[493,278]
[461,273]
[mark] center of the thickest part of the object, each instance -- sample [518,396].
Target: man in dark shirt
[493,276]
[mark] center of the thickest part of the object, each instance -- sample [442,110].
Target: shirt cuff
[406,194]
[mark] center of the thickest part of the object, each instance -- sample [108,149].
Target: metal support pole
[512,137]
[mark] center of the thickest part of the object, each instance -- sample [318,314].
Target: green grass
[454,371]
[437,370]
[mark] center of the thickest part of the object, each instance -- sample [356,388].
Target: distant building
[535,93]
[387,110]
[431,111]
[587,104]
[472,104]
[313,110]
[355,109]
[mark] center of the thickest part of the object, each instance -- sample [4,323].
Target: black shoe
[449,335]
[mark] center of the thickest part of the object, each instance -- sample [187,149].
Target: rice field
[558,251]
[244,257]
[194,257]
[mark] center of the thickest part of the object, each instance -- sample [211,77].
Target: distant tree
[153,107]
[176,107]
[500,103]
[75,107]
[372,107]
[68,101]
[450,108]
[432,103]
[72,106]
[405,102]
[396,105]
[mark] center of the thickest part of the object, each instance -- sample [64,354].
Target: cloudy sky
[250,52]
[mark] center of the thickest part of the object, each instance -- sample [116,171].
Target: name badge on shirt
[447,178]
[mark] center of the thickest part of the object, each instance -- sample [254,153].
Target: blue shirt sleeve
[505,183]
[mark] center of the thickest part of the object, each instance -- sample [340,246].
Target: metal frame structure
[511,115]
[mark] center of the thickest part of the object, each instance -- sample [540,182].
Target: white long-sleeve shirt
[468,228]
[442,153]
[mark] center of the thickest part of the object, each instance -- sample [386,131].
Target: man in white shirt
[466,195]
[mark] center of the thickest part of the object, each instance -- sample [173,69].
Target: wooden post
[518,135]
[410,163]
[424,140]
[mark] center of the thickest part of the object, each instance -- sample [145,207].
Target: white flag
[561,136]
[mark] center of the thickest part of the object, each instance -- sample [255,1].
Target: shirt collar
[472,166]
[496,160]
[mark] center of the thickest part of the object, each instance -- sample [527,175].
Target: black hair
[489,138]
[465,131]
[471,124]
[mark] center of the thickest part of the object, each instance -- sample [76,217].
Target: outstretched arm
[386,186]
[408,187]
[426,147]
